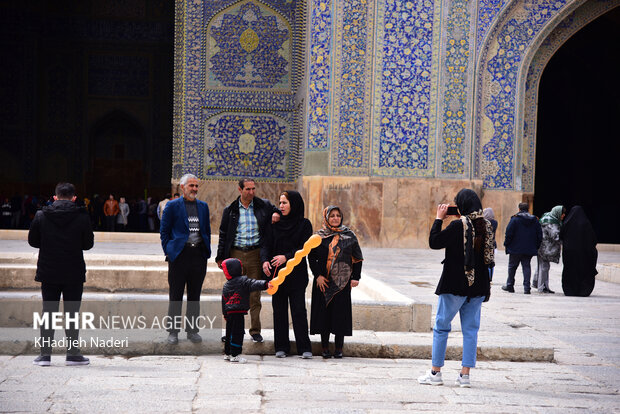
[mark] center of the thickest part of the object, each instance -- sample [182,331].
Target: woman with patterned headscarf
[337,266]
[550,247]
[464,282]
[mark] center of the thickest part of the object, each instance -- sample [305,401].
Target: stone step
[363,344]
[404,316]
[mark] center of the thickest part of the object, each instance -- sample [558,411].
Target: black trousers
[280,302]
[72,299]
[189,269]
[235,328]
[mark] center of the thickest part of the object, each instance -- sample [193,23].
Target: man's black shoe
[257,337]
[43,360]
[508,288]
[194,337]
[326,354]
[173,338]
[526,292]
[547,290]
[76,360]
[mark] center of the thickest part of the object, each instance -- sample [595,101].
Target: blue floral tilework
[350,154]
[514,38]
[487,12]
[403,70]
[319,75]
[453,157]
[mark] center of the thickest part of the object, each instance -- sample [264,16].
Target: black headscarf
[579,254]
[296,215]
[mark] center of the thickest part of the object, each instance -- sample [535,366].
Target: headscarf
[488,213]
[553,217]
[292,219]
[342,237]
[470,208]
[577,231]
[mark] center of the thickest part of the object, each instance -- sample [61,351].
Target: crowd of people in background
[107,213]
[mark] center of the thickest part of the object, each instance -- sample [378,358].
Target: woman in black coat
[282,240]
[464,282]
[579,254]
[337,266]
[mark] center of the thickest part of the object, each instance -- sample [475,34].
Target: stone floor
[583,378]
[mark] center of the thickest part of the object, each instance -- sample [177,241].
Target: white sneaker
[226,357]
[430,379]
[463,381]
[238,359]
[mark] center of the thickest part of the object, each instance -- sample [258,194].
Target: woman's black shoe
[338,354]
[326,354]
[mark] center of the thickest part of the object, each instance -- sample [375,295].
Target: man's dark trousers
[72,297]
[189,269]
[513,263]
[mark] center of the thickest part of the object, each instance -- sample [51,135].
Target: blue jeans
[469,311]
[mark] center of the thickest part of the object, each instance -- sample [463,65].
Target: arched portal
[577,138]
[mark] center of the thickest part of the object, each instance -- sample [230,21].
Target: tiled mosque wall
[404,102]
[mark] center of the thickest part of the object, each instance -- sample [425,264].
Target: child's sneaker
[226,357]
[43,361]
[239,359]
[463,381]
[431,379]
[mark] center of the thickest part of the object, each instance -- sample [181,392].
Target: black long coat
[453,279]
[337,318]
[61,232]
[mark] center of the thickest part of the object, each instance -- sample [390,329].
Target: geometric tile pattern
[403,73]
[251,145]
[238,65]
[319,74]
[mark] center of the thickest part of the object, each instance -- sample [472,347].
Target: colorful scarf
[338,270]
[553,217]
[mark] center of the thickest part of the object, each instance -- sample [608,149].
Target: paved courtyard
[584,378]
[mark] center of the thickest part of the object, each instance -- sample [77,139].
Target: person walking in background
[579,254]
[61,232]
[6,213]
[282,240]
[110,210]
[522,240]
[242,232]
[123,214]
[464,282]
[235,305]
[162,205]
[490,216]
[337,268]
[185,234]
[550,248]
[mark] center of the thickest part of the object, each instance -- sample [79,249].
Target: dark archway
[117,161]
[578,136]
